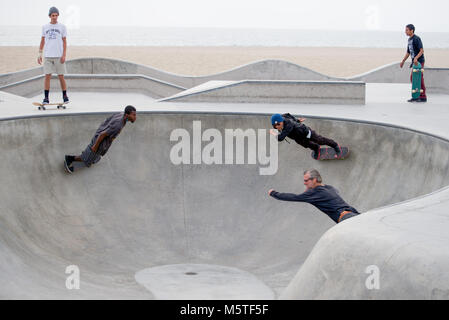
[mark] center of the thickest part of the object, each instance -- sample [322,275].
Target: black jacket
[294,130]
[325,198]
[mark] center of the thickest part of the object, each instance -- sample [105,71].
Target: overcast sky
[431,15]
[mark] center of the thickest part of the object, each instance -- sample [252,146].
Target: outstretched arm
[303,197]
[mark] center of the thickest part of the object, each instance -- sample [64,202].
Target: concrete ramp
[197,227]
[275,91]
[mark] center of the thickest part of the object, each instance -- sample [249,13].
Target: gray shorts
[54,65]
[89,157]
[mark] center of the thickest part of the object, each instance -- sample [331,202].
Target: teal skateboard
[417,71]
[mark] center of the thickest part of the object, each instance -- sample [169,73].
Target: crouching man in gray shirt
[102,140]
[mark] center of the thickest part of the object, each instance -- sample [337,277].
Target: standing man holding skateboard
[288,126]
[102,140]
[324,197]
[53,47]
[415,49]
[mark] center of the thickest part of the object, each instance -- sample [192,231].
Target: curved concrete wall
[135,209]
[398,252]
[260,70]
[436,78]
[95,82]
[278,91]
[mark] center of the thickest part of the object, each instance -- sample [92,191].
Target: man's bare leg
[47,82]
[62,82]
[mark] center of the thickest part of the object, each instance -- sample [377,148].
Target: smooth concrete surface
[94,101]
[136,210]
[94,83]
[275,91]
[437,78]
[406,243]
[202,282]
[50,220]
[259,70]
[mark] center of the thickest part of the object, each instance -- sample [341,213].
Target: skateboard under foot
[328,153]
[40,106]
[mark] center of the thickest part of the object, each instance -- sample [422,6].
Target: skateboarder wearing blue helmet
[286,125]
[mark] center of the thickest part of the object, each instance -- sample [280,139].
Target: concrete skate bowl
[138,226]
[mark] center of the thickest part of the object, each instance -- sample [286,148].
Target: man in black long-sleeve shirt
[324,197]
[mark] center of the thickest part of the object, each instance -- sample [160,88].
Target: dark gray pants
[89,157]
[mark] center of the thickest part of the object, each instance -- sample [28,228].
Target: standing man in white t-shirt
[54,47]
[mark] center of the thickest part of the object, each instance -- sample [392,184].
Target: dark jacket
[294,130]
[325,198]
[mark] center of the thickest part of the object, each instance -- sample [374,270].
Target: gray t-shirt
[112,125]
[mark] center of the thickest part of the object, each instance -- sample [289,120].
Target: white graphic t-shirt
[53,34]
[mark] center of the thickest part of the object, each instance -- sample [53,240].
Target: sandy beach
[196,61]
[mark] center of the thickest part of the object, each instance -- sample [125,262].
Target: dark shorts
[89,157]
[347,215]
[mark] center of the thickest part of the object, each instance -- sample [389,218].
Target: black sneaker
[45,101]
[421,100]
[337,151]
[66,99]
[413,100]
[316,154]
[68,163]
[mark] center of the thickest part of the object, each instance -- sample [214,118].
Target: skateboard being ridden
[329,153]
[288,126]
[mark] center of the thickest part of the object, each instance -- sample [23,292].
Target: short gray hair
[314,174]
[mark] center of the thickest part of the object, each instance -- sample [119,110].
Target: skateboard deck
[328,153]
[416,80]
[59,105]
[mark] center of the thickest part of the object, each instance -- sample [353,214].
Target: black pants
[316,141]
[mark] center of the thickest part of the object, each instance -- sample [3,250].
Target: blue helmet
[276,118]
